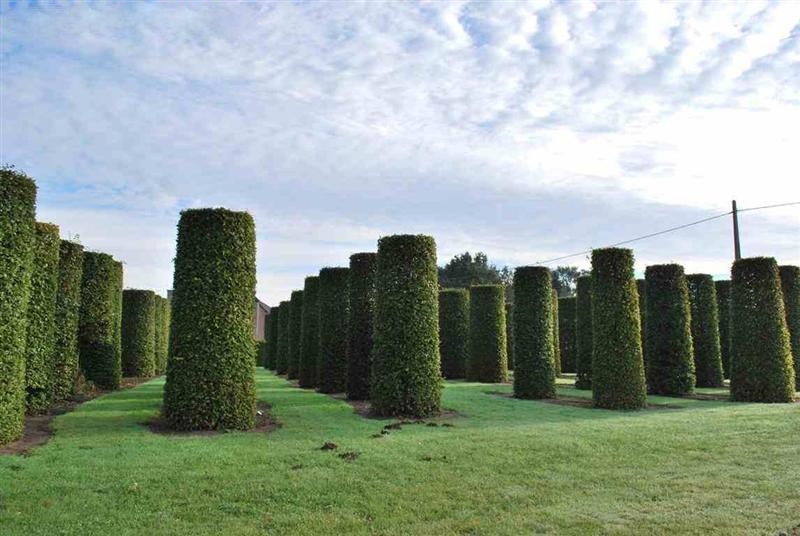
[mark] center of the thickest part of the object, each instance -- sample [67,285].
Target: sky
[527,130]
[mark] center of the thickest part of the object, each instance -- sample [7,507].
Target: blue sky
[528,130]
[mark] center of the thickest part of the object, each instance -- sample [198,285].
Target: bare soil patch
[578,402]
[265,423]
[364,408]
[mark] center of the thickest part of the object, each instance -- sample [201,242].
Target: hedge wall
[138,333]
[262,347]
[17,235]
[705,330]
[790,284]
[210,379]
[583,331]
[670,370]
[117,287]
[724,309]
[488,357]
[556,337]
[334,308]
[65,320]
[406,371]
[360,327]
[295,319]
[454,331]
[567,333]
[161,342]
[617,367]
[534,369]
[510,334]
[273,322]
[282,355]
[641,290]
[97,323]
[309,333]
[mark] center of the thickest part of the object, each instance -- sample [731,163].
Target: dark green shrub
[362,312]
[510,334]
[488,357]
[295,319]
[670,369]
[65,320]
[454,331]
[641,290]
[17,236]
[97,325]
[705,330]
[273,323]
[790,284]
[309,333]
[282,356]
[556,345]
[334,307]
[583,331]
[406,372]
[261,356]
[161,339]
[118,281]
[567,333]
[761,357]
[724,309]
[617,367]
[210,379]
[157,333]
[138,333]
[534,369]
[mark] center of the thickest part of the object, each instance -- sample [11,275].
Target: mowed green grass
[506,467]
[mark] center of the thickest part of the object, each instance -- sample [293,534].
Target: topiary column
[210,379]
[454,331]
[534,367]
[556,345]
[282,356]
[406,377]
[641,290]
[118,278]
[138,333]
[510,334]
[362,311]
[583,329]
[670,369]
[295,324]
[790,284]
[17,236]
[309,333]
[488,357]
[567,332]
[724,309]
[333,312]
[705,330]
[272,338]
[617,367]
[65,320]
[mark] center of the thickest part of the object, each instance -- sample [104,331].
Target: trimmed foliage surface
[556,345]
[262,347]
[705,330]
[282,356]
[510,334]
[488,357]
[360,327]
[454,331]
[583,330]
[65,320]
[790,284]
[272,338]
[567,333]
[534,366]
[309,347]
[295,325]
[724,309]
[138,333]
[641,289]
[118,278]
[333,304]
[162,334]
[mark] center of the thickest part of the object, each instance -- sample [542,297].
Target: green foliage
[65,320]
[567,333]
[117,300]
[138,333]
[556,345]
[360,327]
[406,371]
[705,330]
[273,323]
[617,367]
[761,357]
[641,290]
[454,322]
[790,284]
[488,357]
[583,329]
[464,271]
[17,239]
[210,377]
[670,368]
[262,347]
[282,355]
[295,319]
[565,279]
[534,367]
[510,332]
[161,342]
[309,333]
[724,309]
[333,312]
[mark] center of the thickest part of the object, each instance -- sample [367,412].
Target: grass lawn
[506,467]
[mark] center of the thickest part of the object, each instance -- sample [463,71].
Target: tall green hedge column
[210,379]
[670,369]
[488,356]
[567,333]
[406,372]
[282,355]
[97,325]
[41,308]
[161,342]
[454,331]
[641,289]
[65,320]
[138,333]
[761,357]
[617,367]
[790,284]
[556,345]
[272,337]
[705,330]
[334,308]
[118,283]
[534,369]
[510,334]
[583,329]
[295,324]
[360,327]
[309,333]
[17,236]
[724,309]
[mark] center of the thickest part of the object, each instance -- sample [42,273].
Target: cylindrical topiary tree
[282,357]
[724,309]
[790,284]
[65,320]
[406,373]
[761,357]
[261,353]
[617,367]
[488,357]
[210,379]
[510,333]
[17,237]
[670,369]
[705,330]
[118,275]
[138,333]
[273,323]
[334,308]
[360,326]
[295,324]
[454,331]
[641,289]
[534,367]
[567,333]
[583,330]
[309,347]
[157,333]
[556,345]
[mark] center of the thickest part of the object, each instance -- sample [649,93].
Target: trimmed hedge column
[17,236]
[583,329]
[454,331]
[406,372]
[272,337]
[295,319]
[617,366]
[138,333]
[97,325]
[566,333]
[282,357]
[510,334]
[670,369]
[333,313]
[724,309]
[641,289]
[65,320]
[210,379]
[41,308]
[162,334]
[790,284]
[488,357]
[534,367]
[309,333]
[556,345]
[118,284]
[360,327]
[705,330]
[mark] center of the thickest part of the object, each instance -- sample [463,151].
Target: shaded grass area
[506,467]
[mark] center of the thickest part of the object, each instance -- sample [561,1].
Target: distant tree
[564,278]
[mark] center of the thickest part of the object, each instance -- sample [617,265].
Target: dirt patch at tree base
[364,409]
[578,402]
[265,423]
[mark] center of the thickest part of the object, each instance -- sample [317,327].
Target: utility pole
[737,250]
